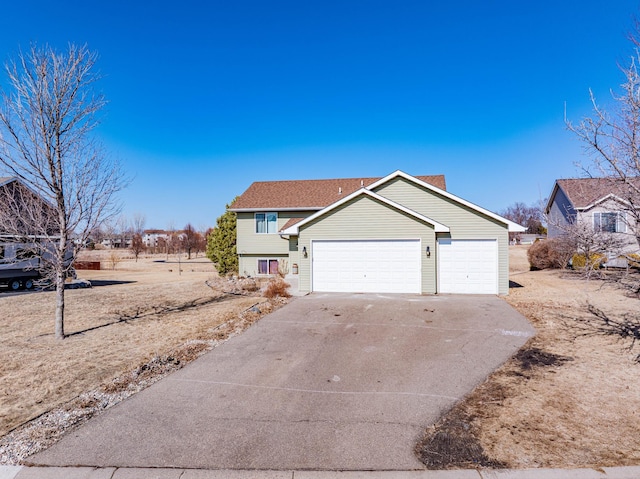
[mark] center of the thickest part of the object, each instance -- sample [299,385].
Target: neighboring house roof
[300,195]
[293,230]
[584,193]
[16,199]
[6,180]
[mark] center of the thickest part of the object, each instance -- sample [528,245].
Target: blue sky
[207,97]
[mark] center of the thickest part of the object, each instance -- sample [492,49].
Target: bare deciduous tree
[626,327]
[529,216]
[169,239]
[138,222]
[48,116]
[124,231]
[190,239]
[611,140]
[97,235]
[137,245]
[590,243]
[109,231]
[201,243]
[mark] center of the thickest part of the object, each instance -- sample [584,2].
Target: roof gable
[512,227]
[308,194]
[25,212]
[293,229]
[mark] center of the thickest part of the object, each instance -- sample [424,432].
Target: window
[267,223]
[609,222]
[267,266]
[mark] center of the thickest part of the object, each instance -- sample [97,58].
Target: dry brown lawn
[563,401]
[583,409]
[113,328]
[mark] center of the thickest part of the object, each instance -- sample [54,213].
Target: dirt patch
[563,400]
[453,441]
[534,357]
[146,323]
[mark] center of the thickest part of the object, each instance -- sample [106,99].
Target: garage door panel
[381,266]
[468,266]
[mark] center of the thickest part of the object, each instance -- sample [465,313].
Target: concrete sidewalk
[11,472]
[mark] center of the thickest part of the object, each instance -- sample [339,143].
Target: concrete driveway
[329,382]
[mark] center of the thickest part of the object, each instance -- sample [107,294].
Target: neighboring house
[116,242]
[24,211]
[600,203]
[27,230]
[528,238]
[397,234]
[154,238]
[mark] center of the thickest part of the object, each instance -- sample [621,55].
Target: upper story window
[613,222]
[267,223]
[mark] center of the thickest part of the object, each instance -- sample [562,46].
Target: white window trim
[258,273]
[266,214]
[620,220]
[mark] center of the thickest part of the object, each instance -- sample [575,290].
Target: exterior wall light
[428,252]
[304,251]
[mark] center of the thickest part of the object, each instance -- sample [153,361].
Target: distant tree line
[124,233]
[529,216]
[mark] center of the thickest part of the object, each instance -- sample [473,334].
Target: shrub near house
[221,243]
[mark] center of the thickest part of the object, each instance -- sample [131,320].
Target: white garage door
[468,266]
[366,266]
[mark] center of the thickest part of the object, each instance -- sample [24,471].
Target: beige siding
[294,253]
[366,218]
[248,264]
[251,245]
[250,242]
[463,222]
[611,206]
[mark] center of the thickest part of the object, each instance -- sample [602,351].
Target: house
[154,238]
[528,238]
[600,203]
[397,234]
[23,211]
[117,242]
[28,233]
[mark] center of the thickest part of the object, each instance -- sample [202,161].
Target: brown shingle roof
[583,192]
[312,194]
[291,222]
